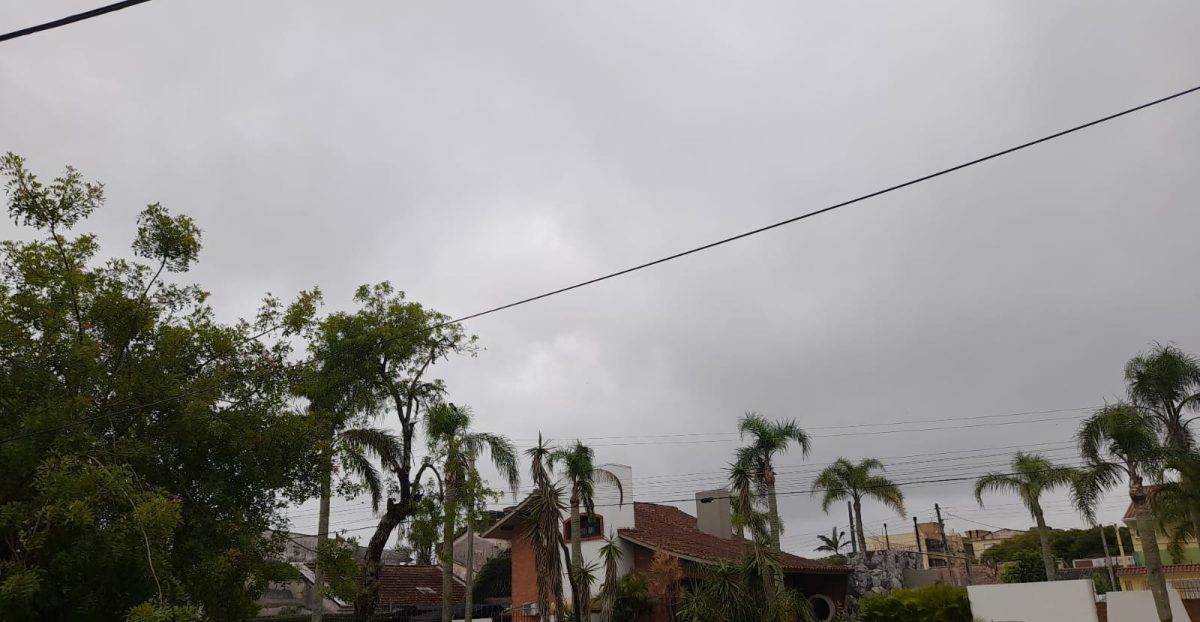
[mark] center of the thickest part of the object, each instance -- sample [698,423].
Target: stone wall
[879,571]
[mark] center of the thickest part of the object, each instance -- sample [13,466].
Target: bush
[494,579]
[1024,567]
[936,603]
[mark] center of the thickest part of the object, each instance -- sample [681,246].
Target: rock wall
[879,571]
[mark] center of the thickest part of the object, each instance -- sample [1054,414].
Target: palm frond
[886,492]
[355,462]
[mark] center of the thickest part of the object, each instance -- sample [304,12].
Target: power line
[716,243]
[71,19]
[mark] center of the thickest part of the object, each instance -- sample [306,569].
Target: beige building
[936,555]
[978,541]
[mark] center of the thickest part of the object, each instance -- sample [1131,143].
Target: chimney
[714,515]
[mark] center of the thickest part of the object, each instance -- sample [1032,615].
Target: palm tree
[611,553]
[833,542]
[1165,383]
[582,474]
[543,520]
[1119,442]
[353,451]
[449,434]
[1031,476]
[845,480]
[770,438]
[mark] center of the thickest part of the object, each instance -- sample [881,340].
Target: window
[591,527]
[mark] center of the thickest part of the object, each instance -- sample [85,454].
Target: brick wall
[524,572]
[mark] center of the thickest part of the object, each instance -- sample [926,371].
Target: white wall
[1053,601]
[1138,606]
[617,516]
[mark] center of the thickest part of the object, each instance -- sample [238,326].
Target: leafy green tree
[769,438]
[832,543]
[350,453]
[935,603]
[1066,544]
[448,429]
[1164,383]
[495,577]
[844,480]
[1024,567]
[633,598]
[382,353]
[581,474]
[145,446]
[1118,444]
[737,592]
[1031,476]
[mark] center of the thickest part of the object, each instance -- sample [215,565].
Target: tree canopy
[145,445]
[1067,544]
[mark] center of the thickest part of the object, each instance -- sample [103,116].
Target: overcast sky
[477,153]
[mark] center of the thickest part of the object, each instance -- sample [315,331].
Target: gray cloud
[478,153]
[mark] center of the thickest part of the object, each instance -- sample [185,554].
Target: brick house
[645,528]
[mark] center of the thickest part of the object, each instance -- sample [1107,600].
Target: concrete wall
[1055,601]
[1139,607]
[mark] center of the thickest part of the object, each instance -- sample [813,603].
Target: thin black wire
[823,210]
[716,243]
[71,19]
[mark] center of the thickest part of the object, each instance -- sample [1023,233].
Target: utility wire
[722,241]
[71,19]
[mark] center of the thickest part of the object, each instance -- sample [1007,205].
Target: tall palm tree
[449,434]
[845,480]
[1165,382]
[769,438]
[352,451]
[833,542]
[543,520]
[1031,476]
[581,474]
[611,553]
[1118,442]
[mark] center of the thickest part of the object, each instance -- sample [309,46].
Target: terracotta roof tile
[1141,570]
[398,587]
[674,531]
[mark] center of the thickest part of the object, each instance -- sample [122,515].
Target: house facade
[978,541]
[642,529]
[935,554]
[1191,551]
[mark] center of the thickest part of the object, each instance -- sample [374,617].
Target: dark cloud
[478,153]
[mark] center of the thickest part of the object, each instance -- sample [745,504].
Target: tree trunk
[773,509]
[1047,552]
[368,599]
[862,538]
[449,501]
[1154,572]
[580,596]
[470,579]
[317,601]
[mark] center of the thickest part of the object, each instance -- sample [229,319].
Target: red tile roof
[674,531]
[398,587]
[1140,570]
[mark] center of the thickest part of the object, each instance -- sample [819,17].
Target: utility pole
[917,533]
[1120,543]
[942,530]
[887,540]
[468,605]
[853,536]
[1112,577]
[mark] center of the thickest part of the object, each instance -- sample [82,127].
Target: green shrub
[936,603]
[1024,567]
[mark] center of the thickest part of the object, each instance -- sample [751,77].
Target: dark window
[591,526]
